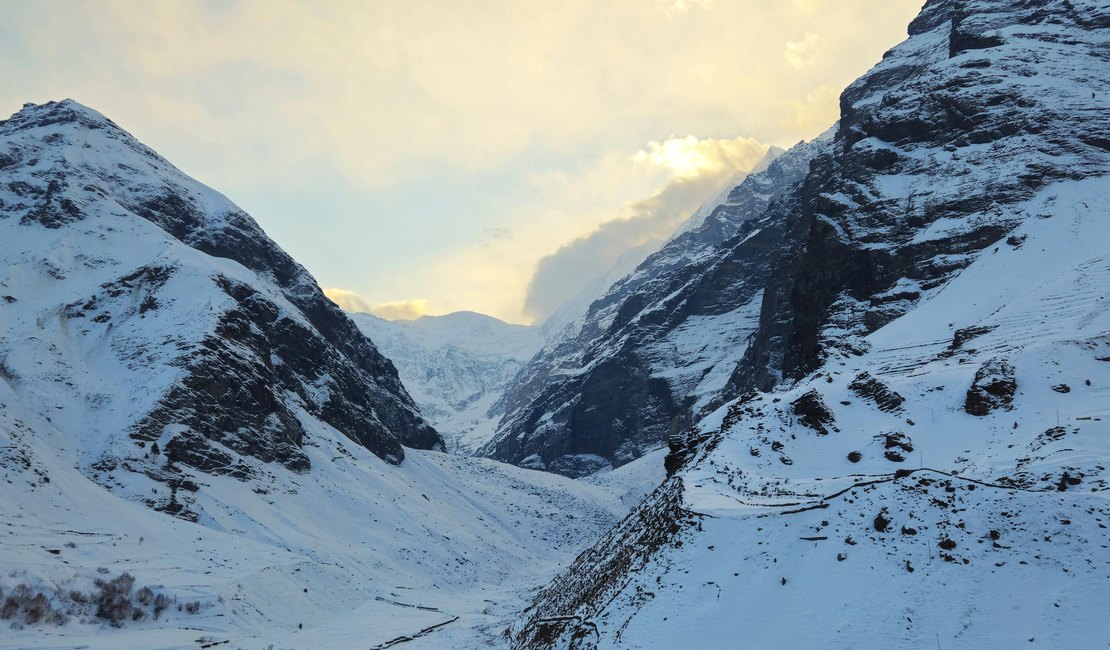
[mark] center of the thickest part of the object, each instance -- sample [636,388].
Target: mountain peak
[66,111]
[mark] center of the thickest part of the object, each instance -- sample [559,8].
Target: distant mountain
[455,366]
[141,308]
[916,428]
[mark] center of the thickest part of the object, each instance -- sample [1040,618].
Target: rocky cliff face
[932,347]
[659,345]
[936,148]
[156,321]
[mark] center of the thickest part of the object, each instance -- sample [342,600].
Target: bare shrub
[37,609]
[160,603]
[144,596]
[114,600]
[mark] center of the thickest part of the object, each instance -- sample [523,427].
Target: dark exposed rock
[813,413]
[877,391]
[53,209]
[561,609]
[578,465]
[896,445]
[964,335]
[993,387]
[677,454]
[881,521]
[1062,388]
[855,456]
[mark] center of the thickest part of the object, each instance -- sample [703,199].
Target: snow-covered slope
[455,366]
[927,466]
[617,381]
[180,403]
[355,552]
[978,531]
[156,325]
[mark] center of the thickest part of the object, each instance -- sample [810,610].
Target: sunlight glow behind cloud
[690,157]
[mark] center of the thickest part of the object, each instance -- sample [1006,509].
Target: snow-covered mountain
[455,366]
[927,463]
[145,311]
[658,345]
[197,447]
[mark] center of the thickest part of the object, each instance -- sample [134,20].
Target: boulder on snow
[813,413]
[877,391]
[993,387]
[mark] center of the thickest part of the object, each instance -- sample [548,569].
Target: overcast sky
[424,157]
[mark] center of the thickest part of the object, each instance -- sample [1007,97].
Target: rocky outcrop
[992,389]
[870,388]
[560,615]
[813,413]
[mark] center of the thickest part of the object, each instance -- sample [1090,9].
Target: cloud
[691,157]
[803,53]
[396,310]
[405,128]
[348,300]
[679,7]
[401,309]
[807,7]
[699,168]
[819,110]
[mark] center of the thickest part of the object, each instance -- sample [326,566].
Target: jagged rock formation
[145,308]
[813,413]
[643,362]
[993,387]
[956,221]
[877,391]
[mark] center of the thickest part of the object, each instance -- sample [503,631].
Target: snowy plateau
[859,400]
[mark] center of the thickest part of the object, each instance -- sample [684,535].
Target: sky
[429,157]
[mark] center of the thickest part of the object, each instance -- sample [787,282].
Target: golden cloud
[348,300]
[401,309]
[396,310]
[803,53]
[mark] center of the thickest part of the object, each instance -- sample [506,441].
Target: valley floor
[444,550]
